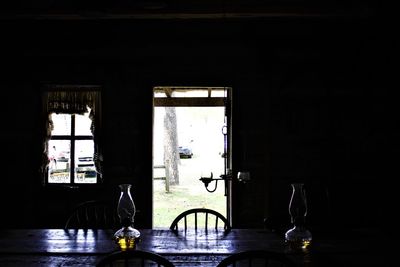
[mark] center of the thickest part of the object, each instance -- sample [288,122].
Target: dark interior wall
[309,104]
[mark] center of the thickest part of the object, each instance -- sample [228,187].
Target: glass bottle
[298,237]
[126,237]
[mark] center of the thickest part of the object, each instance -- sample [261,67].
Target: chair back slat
[206,223]
[93,214]
[185,223]
[195,221]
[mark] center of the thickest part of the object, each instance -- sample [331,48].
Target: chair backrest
[201,218]
[134,258]
[93,214]
[257,258]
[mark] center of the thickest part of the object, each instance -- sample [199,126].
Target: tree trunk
[171,155]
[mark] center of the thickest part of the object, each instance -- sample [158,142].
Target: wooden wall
[311,103]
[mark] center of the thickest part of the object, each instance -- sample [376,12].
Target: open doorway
[189,142]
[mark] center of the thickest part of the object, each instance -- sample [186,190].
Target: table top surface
[92,244]
[162,241]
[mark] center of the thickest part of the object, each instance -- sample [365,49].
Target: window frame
[92,99]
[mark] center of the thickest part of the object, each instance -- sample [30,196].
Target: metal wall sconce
[243,177]
[208,180]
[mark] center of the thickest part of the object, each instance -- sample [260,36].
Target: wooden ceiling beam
[189,102]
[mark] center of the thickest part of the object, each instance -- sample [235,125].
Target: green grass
[180,198]
[190,193]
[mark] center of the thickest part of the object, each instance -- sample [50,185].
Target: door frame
[208,101]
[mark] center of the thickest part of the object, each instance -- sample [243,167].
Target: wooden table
[58,247]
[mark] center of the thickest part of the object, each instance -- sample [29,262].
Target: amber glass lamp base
[298,238]
[127,238]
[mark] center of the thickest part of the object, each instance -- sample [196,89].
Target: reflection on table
[45,247]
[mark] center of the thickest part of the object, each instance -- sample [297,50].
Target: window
[71,145]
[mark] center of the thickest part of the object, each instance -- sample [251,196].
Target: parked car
[185,152]
[85,166]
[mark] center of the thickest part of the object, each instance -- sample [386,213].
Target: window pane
[59,156]
[190,93]
[62,124]
[159,94]
[85,171]
[82,124]
[218,93]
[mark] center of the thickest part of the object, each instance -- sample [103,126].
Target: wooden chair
[195,220]
[93,214]
[134,258]
[256,258]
